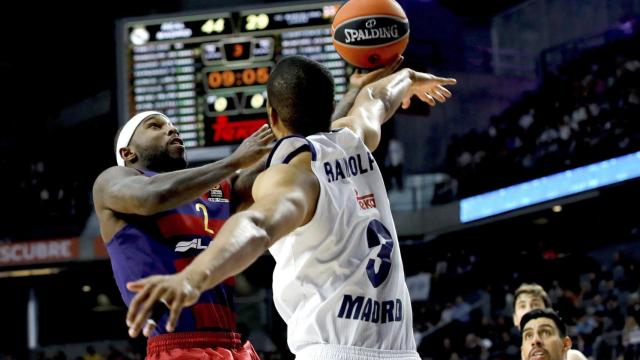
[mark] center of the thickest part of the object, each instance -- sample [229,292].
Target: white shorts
[340,352]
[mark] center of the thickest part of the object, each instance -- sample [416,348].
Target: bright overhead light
[556,208]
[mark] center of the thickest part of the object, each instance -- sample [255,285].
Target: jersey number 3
[378,234]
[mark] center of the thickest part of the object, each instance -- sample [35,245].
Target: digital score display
[208,72]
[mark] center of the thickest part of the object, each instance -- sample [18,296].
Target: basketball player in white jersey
[322,210]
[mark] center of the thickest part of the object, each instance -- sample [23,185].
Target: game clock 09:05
[228,78]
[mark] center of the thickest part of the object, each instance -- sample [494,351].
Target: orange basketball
[370,33]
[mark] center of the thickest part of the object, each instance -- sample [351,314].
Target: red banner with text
[41,251]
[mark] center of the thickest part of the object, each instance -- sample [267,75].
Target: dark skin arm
[242,184]
[124,190]
[285,198]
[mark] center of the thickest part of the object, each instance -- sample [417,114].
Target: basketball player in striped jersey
[322,210]
[156,216]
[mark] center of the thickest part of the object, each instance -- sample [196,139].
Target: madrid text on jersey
[347,167]
[370,310]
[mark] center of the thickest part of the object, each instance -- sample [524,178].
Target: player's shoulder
[291,169]
[288,148]
[295,171]
[573,354]
[112,174]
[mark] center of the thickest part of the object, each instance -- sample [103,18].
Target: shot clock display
[208,72]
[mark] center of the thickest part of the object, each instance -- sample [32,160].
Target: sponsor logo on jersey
[370,310]
[183,246]
[216,194]
[366,201]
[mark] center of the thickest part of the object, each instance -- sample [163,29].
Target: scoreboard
[208,71]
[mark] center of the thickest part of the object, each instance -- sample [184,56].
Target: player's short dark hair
[302,91]
[544,313]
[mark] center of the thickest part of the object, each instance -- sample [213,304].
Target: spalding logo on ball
[370,33]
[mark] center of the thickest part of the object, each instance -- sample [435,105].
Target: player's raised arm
[285,198]
[378,101]
[359,80]
[125,190]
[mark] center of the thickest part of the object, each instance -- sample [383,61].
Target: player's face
[525,303]
[159,145]
[542,341]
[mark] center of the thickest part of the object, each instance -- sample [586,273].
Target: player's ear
[566,343]
[128,155]
[273,115]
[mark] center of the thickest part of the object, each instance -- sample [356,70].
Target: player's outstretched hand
[428,88]
[359,80]
[174,291]
[254,147]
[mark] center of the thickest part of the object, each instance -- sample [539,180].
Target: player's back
[339,281]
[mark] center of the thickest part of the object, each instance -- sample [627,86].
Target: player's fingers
[138,285]
[394,66]
[268,137]
[436,95]
[144,311]
[406,102]
[140,297]
[149,327]
[445,81]
[174,314]
[426,98]
[378,73]
[263,130]
[443,90]
[389,69]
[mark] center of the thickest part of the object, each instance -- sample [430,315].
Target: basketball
[370,33]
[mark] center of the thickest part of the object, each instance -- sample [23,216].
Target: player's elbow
[256,225]
[154,199]
[148,204]
[271,223]
[384,96]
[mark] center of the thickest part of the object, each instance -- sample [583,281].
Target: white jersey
[339,282]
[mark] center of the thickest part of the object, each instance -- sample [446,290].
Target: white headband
[129,128]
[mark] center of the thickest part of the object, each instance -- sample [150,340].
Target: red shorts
[199,345]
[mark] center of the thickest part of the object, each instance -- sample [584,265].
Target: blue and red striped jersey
[165,243]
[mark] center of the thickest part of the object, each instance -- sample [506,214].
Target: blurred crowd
[470,316]
[586,112]
[51,192]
